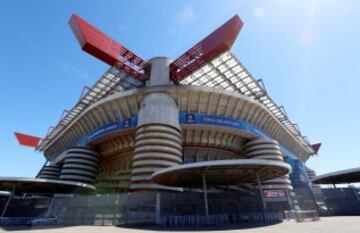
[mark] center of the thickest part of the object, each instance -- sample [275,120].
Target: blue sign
[204,119]
[184,118]
[110,128]
[298,176]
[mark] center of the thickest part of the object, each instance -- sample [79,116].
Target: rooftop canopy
[226,72]
[339,177]
[41,186]
[221,172]
[209,63]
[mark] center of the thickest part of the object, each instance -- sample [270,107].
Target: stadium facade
[190,141]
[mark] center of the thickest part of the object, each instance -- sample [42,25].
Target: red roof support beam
[206,50]
[106,49]
[27,140]
[316,147]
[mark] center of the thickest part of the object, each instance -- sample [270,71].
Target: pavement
[325,225]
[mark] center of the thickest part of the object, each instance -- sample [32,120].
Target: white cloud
[67,67]
[259,12]
[185,16]
[125,27]
[306,36]
[182,19]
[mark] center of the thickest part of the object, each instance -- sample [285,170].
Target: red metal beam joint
[103,47]
[106,49]
[27,140]
[316,147]
[206,50]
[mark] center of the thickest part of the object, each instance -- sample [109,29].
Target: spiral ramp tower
[316,189]
[158,143]
[80,165]
[260,148]
[312,174]
[51,172]
[158,134]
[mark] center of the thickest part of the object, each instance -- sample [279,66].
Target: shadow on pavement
[197,228]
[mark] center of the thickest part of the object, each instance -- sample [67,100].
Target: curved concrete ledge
[37,185]
[220,172]
[285,138]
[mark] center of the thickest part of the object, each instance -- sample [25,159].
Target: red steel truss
[316,147]
[103,47]
[208,63]
[206,50]
[27,140]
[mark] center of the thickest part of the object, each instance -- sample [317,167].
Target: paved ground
[325,225]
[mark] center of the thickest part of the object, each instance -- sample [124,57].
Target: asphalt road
[325,225]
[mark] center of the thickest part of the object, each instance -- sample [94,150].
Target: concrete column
[158,134]
[160,71]
[158,208]
[206,203]
[6,206]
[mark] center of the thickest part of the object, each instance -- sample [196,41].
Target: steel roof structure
[209,63]
[37,185]
[226,72]
[114,80]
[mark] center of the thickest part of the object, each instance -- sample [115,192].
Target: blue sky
[306,52]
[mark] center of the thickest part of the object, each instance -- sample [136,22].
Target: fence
[27,221]
[256,218]
[341,201]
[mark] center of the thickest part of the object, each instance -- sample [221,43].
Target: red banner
[274,193]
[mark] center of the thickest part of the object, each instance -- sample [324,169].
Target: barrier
[256,218]
[302,215]
[27,221]
[341,201]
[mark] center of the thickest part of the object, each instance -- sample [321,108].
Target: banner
[274,195]
[110,128]
[204,119]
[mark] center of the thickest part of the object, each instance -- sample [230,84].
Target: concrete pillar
[158,134]
[158,208]
[160,71]
[157,141]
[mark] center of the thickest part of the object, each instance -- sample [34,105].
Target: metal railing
[114,80]
[227,72]
[254,218]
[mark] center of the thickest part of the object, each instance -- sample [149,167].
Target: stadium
[192,141]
